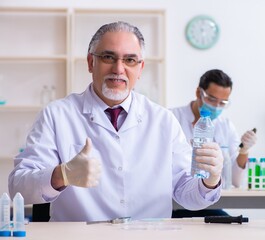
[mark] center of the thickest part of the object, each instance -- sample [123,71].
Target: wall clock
[202,32]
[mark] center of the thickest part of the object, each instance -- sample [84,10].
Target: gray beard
[113,94]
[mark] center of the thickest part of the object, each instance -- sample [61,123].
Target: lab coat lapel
[95,112]
[135,115]
[98,116]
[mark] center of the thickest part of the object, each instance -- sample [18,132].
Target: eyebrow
[217,98]
[113,53]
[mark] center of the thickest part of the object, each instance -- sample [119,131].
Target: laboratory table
[192,228]
[237,198]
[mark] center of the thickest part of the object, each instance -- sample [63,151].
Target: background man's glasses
[129,61]
[213,100]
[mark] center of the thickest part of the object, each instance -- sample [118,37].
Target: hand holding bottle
[82,170]
[209,158]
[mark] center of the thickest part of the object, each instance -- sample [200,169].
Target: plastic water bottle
[227,169]
[5,230]
[202,133]
[19,216]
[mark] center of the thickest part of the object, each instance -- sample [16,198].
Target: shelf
[27,10]
[34,58]
[19,26]
[6,158]
[7,108]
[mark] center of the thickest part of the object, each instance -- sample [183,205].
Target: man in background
[213,94]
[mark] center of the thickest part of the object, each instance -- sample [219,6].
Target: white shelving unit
[33,53]
[47,46]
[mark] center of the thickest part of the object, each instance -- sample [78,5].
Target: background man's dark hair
[215,76]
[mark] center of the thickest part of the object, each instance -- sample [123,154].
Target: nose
[118,67]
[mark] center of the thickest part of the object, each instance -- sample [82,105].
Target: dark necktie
[114,113]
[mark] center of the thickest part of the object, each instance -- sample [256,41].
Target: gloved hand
[82,170]
[248,140]
[210,158]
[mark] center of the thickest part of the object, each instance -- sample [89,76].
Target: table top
[237,192]
[190,228]
[237,198]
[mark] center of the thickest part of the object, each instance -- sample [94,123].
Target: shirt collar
[189,113]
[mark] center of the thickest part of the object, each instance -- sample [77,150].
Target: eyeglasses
[213,100]
[129,61]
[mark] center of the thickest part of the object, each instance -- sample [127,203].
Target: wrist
[57,181]
[211,186]
[243,151]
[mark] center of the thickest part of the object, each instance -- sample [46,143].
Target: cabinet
[48,47]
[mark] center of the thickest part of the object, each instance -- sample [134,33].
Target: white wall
[240,51]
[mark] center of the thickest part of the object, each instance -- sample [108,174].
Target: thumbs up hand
[82,170]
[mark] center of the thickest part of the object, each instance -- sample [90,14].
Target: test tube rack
[256,174]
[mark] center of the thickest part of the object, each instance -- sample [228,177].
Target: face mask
[215,111]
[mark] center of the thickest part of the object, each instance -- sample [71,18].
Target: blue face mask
[215,111]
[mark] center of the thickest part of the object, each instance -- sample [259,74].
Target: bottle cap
[5,233]
[205,113]
[252,159]
[19,233]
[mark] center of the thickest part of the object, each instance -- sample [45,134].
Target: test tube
[251,172]
[5,230]
[18,216]
[257,175]
[262,172]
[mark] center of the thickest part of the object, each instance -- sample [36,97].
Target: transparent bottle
[52,93]
[19,216]
[227,169]
[203,132]
[5,230]
[45,95]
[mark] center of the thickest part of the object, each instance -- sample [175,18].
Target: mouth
[116,81]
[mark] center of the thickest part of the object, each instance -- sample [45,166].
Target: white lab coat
[144,164]
[225,135]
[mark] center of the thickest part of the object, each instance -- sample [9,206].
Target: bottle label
[197,142]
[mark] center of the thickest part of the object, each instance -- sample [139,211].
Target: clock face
[202,32]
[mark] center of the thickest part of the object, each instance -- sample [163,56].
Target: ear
[141,69]
[198,93]
[90,62]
